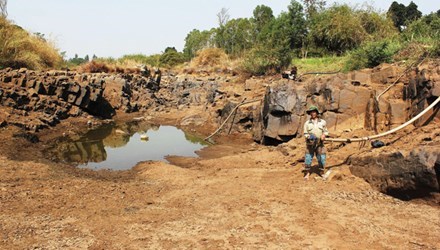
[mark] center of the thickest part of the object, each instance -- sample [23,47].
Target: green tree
[312,7]
[412,13]
[238,36]
[338,29]
[403,15]
[262,17]
[197,40]
[376,25]
[296,23]
[272,52]
[397,13]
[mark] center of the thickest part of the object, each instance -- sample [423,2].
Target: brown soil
[237,195]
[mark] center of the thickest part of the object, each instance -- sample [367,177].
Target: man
[315,131]
[290,74]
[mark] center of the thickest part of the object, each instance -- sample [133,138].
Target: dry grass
[210,57]
[210,60]
[96,66]
[19,48]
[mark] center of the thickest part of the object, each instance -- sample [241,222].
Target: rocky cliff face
[35,100]
[348,101]
[48,97]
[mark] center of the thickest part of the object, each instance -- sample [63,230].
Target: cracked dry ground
[233,197]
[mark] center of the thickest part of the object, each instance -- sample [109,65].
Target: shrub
[171,57]
[19,48]
[371,54]
[261,60]
[426,28]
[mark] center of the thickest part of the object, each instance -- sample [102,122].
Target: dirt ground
[236,195]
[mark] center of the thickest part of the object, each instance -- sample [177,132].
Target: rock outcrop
[413,176]
[348,101]
[48,97]
[342,103]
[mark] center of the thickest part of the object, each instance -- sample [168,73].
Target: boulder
[400,176]
[398,110]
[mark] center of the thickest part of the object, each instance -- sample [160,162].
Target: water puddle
[120,147]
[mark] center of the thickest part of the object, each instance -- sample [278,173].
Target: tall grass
[321,64]
[19,48]
[151,60]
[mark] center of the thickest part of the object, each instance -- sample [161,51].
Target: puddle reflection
[120,147]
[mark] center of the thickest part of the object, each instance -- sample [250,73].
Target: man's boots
[306,171]
[307,168]
[321,167]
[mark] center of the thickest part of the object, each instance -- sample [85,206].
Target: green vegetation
[308,34]
[320,64]
[19,48]
[371,54]
[171,58]
[152,60]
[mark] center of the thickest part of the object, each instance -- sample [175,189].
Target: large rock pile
[45,98]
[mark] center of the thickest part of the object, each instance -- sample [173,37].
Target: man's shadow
[313,170]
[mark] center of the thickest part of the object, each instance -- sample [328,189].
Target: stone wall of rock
[343,103]
[347,101]
[48,97]
[421,90]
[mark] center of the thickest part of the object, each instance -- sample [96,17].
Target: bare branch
[223,16]
[3,8]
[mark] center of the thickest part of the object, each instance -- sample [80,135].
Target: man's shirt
[318,127]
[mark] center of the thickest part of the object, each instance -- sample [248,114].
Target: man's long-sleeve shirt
[318,127]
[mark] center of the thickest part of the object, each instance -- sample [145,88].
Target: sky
[112,28]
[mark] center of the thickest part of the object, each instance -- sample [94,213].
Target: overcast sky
[115,27]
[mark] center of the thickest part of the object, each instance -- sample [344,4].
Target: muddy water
[120,147]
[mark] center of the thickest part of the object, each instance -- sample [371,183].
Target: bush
[426,28]
[18,48]
[262,60]
[171,58]
[371,54]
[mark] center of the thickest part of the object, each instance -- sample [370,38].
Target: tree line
[307,29]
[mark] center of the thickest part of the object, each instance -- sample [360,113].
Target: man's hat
[312,108]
